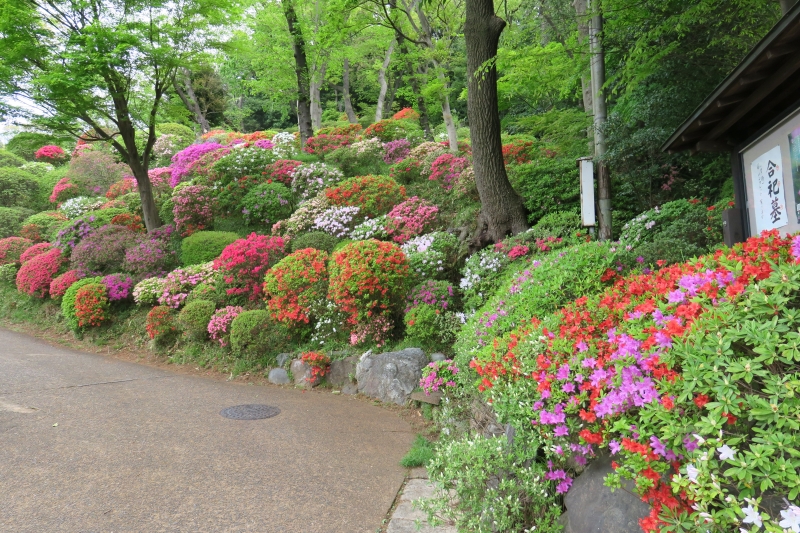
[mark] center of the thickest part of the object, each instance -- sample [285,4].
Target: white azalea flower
[692,472]
[726,452]
[751,516]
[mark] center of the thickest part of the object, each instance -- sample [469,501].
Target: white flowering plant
[242,161]
[80,205]
[338,221]
[480,272]
[147,291]
[371,228]
[310,179]
[431,256]
[285,145]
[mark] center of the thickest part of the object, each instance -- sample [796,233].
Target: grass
[420,454]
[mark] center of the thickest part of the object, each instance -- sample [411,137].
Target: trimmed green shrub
[254,336]
[17,188]
[561,224]
[68,301]
[8,274]
[40,227]
[11,220]
[547,185]
[7,159]
[205,246]
[194,318]
[207,291]
[266,204]
[319,240]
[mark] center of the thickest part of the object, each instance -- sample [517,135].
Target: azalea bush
[338,221]
[52,154]
[194,319]
[368,280]
[205,246]
[177,284]
[303,217]
[645,371]
[267,203]
[219,326]
[244,262]
[80,205]
[396,151]
[431,326]
[438,375]
[479,275]
[61,283]
[183,161]
[11,248]
[161,326]
[281,171]
[91,305]
[388,130]
[119,287]
[103,251]
[309,179]
[241,162]
[32,251]
[194,209]
[41,226]
[151,254]
[121,187]
[318,240]
[319,363]
[373,195]
[36,274]
[371,228]
[148,291]
[447,168]
[68,310]
[432,256]
[296,287]
[63,191]
[322,144]
[411,218]
[93,171]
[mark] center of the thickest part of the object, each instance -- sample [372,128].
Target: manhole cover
[250,412]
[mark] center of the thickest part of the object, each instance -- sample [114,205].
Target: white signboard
[587,192]
[769,199]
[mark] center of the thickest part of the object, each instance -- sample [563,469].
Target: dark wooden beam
[725,102]
[712,146]
[780,51]
[750,79]
[763,90]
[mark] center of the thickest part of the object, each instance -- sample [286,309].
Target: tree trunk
[502,212]
[422,109]
[348,105]
[149,210]
[316,103]
[383,83]
[598,70]
[583,36]
[452,133]
[189,99]
[301,69]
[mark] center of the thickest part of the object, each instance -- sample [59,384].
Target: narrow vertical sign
[587,192]
[769,200]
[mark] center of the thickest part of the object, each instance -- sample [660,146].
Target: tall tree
[502,212]
[598,70]
[104,65]
[301,71]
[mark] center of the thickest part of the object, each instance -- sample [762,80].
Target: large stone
[438,356]
[390,376]
[341,371]
[593,508]
[282,358]
[301,372]
[279,376]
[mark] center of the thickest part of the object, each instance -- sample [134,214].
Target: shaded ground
[138,448]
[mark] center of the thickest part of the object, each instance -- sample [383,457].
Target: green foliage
[17,188]
[547,185]
[353,162]
[559,224]
[194,318]
[184,135]
[11,220]
[420,454]
[68,301]
[255,336]
[26,143]
[205,246]
[673,232]
[8,275]
[45,223]
[498,487]
[266,204]
[8,159]
[432,327]
[562,131]
[318,240]
[242,162]
[530,288]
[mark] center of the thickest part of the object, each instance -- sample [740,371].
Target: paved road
[140,449]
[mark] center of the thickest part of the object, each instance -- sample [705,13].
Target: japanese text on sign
[769,202]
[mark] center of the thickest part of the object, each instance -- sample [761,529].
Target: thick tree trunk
[583,36]
[316,102]
[348,105]
[301,69]
[149,210]
[384,85]
[598,69]
[502,212]
[186,93]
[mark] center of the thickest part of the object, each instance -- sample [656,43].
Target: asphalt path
[89,443]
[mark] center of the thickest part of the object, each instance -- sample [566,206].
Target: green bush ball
[319,240]
[184,136]
[18,188]
[255,336]
[194,318]
[68,301]
[8,159]
[205,246]
[11,219]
